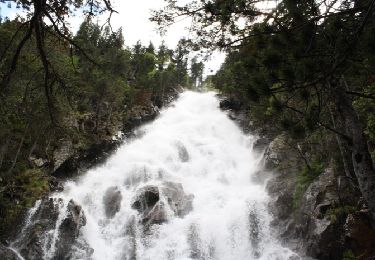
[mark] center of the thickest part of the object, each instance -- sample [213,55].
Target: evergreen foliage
[307,65]
[82,96]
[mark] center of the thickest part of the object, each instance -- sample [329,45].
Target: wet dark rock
[261,143]
[69,162]
[279,152]
[83,160]
[130,251]
[62,153]
[254,232]
[242,120]
[230,103]
[142,114]
[7,254]
[33,249]
[157,215]
[308,229]
[40,231]
[81,250]
[74,220]
[55,184]
[69,230]
[178,200]
[360,234]
[30,243]
[237,111]
[151,201]
[148,203]
[146,199]
[195,242]
[182,152]
[112,201]
[315,226]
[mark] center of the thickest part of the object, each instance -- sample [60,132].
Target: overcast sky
[133,17]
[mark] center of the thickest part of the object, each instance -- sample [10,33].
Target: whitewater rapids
[229,218]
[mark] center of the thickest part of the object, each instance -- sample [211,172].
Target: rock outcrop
[237,111]
[38,235]
[82,160]
[359,235]
[62,153]
[327,221]
[156,203]
[69,162]
[30,244]
[69,230]
[112,201]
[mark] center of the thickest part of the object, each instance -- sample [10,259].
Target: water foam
[193,143]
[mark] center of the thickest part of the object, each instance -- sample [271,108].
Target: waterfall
[182,189]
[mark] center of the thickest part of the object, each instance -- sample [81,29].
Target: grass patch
[335,213]
[348,255]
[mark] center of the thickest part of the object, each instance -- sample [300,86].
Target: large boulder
[140,114]
[31,240]
[236,110]
[182,152]
[278,152]
[69,230]
[152,202]
[112,201]
[82,160]
[231,102]
[74,220]
[308,228]
[55,184]
[62,153]
[38,234]
[180,203]
[147,202]
[317,227]
[261,143]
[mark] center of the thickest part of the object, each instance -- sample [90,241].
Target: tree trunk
[18,151]
[3,150]
[341,145]
[362,161]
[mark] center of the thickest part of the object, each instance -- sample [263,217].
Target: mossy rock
[20,194]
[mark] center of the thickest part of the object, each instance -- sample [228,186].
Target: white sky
[133,17]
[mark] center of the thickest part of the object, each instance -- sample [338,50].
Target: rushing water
[195,144]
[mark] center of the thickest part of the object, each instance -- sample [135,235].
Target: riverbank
[70,157]
[318,210]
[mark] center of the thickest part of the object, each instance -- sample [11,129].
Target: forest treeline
[78,88]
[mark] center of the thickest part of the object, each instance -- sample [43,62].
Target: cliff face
[319,213]
[329,220]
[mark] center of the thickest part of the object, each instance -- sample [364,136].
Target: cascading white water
[229,219]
